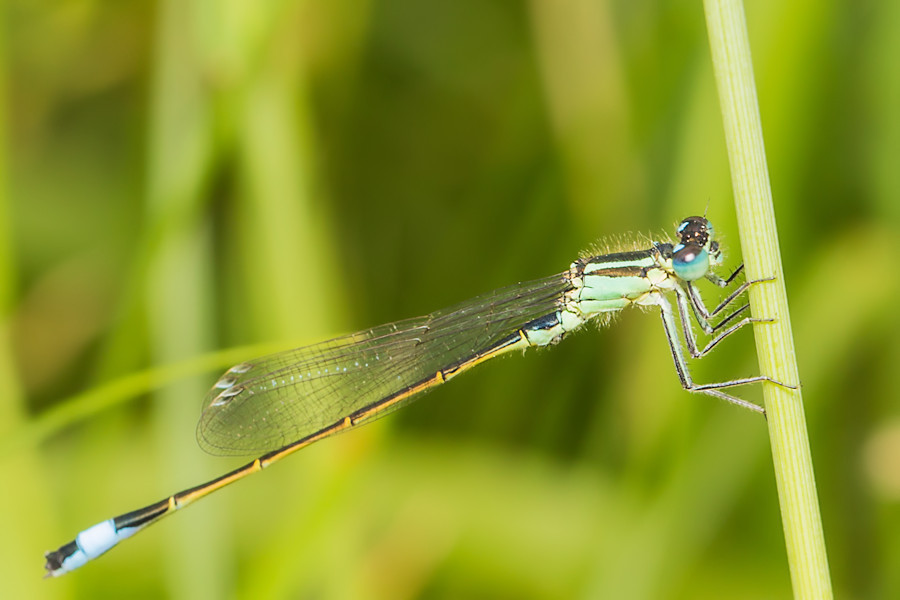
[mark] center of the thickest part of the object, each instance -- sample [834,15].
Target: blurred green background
[186,177]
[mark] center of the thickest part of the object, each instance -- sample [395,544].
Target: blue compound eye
[690,262]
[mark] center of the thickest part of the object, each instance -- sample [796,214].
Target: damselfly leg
[689,296]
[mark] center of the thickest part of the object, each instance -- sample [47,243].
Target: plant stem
[802,522]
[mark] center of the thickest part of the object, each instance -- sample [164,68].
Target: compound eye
[690,262]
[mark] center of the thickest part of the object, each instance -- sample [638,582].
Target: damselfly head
[696,251]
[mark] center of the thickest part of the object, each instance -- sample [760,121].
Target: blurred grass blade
[94,401]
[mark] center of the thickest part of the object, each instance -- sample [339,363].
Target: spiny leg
[703,315]
[725,282]
[689,336]
[711,389]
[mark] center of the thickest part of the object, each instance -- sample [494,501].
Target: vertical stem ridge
[791,455]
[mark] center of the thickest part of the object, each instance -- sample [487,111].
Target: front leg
[689,336]
[703,315]
[681,368]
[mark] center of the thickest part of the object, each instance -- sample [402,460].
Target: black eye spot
[690,262]
[686,254]
[694,231]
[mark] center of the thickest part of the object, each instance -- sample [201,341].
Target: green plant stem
[774,343]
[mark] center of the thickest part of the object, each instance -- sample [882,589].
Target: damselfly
[276,405]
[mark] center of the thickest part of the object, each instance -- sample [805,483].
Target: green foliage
[185,177]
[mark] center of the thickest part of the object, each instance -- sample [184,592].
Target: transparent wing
[265,404]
